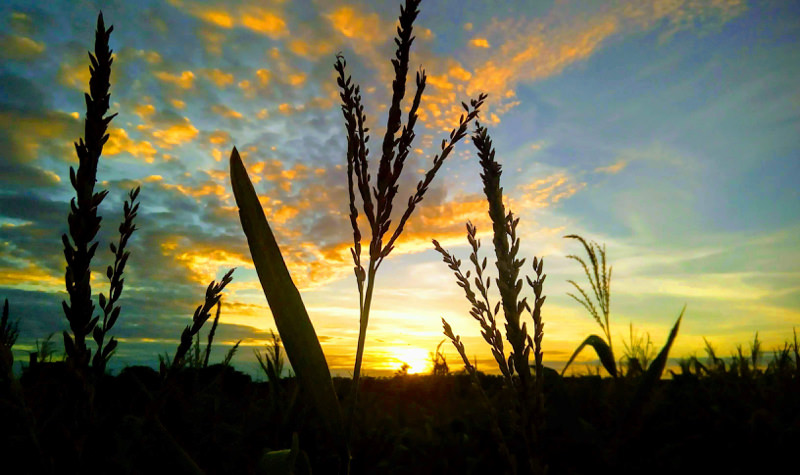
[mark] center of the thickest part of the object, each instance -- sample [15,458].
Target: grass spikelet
[201,315]
[211,334]
[83,219]
[114,274]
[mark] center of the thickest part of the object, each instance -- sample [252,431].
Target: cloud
[119,142]
[614,168]
[546,192]
[479,42]
[355,24]
[184,80]
[265,22]
[220,78]
[74,74]
[175,134]
[13,47]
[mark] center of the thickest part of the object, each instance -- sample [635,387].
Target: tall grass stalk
[114,273]
[83,219]
[201,314]
[515,368]
[598,305]
[377,198]
[211,334]
[84,223]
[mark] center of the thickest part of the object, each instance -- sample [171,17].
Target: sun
[417,359]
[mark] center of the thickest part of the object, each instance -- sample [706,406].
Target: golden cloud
[219,137]
[144,110]
[119,142]
[265,22]
[216,17]
[184,80]
[225,111]
[177,134]
[219,78]
[352,23]
[547,191]
[201,261]
[75,75]
[30,276]
[479,42]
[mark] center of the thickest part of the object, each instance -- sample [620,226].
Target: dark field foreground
[219,421]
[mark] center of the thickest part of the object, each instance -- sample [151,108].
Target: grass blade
[298,335]
[656,368]
[603,352]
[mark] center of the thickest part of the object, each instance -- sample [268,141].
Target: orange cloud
[479,42]
[219,78]
[264,76]
[225,111]
[184,80]
[144,110]
[297,79]
[177,134]
[547,191]
[201,261]
[216,17]
[265,22]
[219,137]
[30,276]
[353,23]
[119,142]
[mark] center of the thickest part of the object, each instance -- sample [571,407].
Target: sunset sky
[667,129]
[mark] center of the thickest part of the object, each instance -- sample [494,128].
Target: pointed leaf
[296,330]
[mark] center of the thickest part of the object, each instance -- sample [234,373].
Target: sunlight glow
[417,359]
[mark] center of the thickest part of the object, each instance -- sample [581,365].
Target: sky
[669,130]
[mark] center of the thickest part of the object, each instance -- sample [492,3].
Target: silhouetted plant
[638,353]
[45,350]
[201,315]
[211,334]
[599,277]
[439,362]
[9,331]
[226,361]
[114,273]
[84,222]
[516,368]
[302,346]
[377,199]
[271,361]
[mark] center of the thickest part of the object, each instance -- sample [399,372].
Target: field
[65,412]
[219,420]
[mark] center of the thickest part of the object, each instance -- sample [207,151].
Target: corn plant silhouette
[377,199]
[599,277]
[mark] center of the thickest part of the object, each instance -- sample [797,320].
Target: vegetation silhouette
[733,415]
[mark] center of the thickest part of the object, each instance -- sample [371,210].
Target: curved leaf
[603,352]
[656,368]
[299,338]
